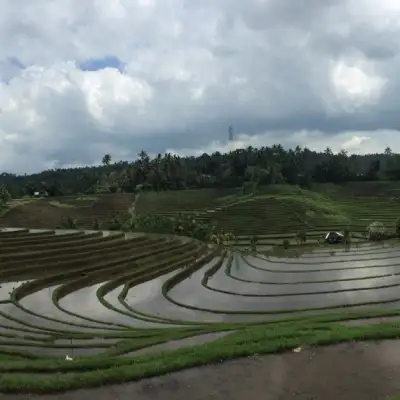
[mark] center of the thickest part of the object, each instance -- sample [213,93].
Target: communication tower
[230,132]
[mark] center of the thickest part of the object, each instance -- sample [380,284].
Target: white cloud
[353,83]
[356,143]
[353,142]
[318,75]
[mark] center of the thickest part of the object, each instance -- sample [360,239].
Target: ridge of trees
[242,167]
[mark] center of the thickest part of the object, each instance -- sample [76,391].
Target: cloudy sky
[79,79]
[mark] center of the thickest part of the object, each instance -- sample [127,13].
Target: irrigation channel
[86,293]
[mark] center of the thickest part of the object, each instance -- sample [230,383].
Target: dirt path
[352,371]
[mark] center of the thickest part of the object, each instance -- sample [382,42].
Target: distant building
[334,237]
[43,193]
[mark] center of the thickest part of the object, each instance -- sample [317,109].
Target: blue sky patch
[95,64]
[9,68]
[14,61]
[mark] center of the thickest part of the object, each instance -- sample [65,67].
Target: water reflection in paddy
[6,288]
[195,295]
[33,322]
[284,286]
[336,258]
[131,319]
[41,302]
[299,265]
[347,252]
[276,287]
[325,250]
[86,303]
[242,270]
[147,298]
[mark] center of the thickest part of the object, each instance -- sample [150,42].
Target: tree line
[242,167]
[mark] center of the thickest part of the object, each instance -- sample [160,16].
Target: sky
[79,79]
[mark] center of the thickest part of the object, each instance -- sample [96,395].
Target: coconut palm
[106,160]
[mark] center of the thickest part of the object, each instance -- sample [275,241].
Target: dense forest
[240,168]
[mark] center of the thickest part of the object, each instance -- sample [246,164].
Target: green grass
[87,198]
[15,203]
[184,200]
[56,203]
[262,339]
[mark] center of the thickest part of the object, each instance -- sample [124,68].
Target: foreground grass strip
[250,341]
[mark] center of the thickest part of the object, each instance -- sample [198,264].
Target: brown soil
[42,215]
[37,214]
[351,371]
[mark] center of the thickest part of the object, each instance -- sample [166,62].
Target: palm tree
[106,160]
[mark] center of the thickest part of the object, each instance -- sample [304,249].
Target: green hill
[283,209]
[272,211]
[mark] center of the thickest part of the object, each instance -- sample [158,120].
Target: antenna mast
[230,132]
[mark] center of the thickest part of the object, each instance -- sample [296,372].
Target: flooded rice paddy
[88,292]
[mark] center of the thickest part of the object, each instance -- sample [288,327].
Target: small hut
[334,237]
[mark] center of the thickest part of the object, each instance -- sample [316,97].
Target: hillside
[275,211]
[184,200]
[111,301]
[48,213]
[284,209]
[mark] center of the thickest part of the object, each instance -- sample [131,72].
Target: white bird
[67,358]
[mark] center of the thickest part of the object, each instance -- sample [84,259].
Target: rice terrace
[84,306]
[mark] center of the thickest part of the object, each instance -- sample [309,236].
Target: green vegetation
[243,170]
[241,251]
[4,195]
[68,223]
[102,339]
[248,341]
[4,199]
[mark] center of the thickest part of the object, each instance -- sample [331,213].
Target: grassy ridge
[248,341]
[273,209]
[280,209]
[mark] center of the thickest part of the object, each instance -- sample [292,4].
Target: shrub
[180,224]
[4,195]
[397,227]
[347,235]
[68,223]
[301,236]
[376,231]
[253,243]
[116,225]
[96,224]
[286,244]
[222,238]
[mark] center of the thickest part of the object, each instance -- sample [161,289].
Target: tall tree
[106,160]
